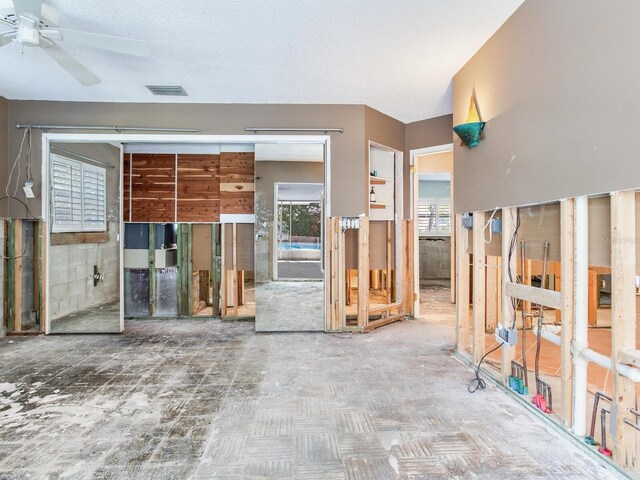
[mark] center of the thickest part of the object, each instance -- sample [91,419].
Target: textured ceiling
[397,56]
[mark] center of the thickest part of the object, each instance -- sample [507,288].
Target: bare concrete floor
[208,399]
[103,318]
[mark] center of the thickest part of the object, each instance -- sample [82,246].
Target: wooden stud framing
[234,269]
[363,273]
[341,312]
[462,287]
[492,294]
[508,267]
[623,322]
[479,299]
[407,268]
[389,258]
[566,312]
[41,292]
[223,270]
[215,269]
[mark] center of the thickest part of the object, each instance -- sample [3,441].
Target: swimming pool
[299,246]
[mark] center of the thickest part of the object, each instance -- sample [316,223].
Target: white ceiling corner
[397,56]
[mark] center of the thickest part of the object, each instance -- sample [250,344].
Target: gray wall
[347,149]
[435,258]
[268,173]
[558,87]
[4,140]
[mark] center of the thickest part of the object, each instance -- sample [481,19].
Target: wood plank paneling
[198,187]
[237,182]
[153,187]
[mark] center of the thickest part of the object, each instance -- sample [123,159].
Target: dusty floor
[284,306]
[99,319]
[210,399]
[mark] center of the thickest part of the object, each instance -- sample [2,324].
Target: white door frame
[274,260]
[414,196]
[48,138]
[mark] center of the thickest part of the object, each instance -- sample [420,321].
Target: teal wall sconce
[471,132]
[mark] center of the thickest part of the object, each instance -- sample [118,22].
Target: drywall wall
[347,149]
[557,86]
[384,130]
[429,133]
[267,174]
[436,162]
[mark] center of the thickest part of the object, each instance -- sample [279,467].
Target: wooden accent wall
[198,188]
[237,182]
[187,188]
[153,187]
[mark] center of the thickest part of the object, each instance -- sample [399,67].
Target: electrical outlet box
[467,220]
[507,335]
[28,189]
[496,225]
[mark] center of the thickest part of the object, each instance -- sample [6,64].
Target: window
[78,196]
[434,216]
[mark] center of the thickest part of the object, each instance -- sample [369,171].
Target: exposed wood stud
[566,312]
[479,298]
[491,294]
[363,273]
[508,265]
[341,319]
[462,287]
[152,268]
[623,322]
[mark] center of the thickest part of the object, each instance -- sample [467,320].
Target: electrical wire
[478,383]
[484,236]
[512,248]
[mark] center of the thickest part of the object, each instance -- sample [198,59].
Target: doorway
[299,231]
[432,198]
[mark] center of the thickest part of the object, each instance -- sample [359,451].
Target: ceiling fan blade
[71,65]
[7,23]
[106,42]
[28,8]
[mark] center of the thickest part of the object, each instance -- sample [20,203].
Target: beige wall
[429,133]
[347,149]
[558,87]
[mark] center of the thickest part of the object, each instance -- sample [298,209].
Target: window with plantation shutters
[434,217]
[78,196]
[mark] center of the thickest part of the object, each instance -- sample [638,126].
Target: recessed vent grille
[167,90]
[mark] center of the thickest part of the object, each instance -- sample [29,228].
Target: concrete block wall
[435,258]
[71,275]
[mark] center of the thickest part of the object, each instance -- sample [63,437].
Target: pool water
[299,246]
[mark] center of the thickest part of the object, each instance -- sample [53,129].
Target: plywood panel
[198,188]
[201,249]
[237,182]
[378,245]
[153,187]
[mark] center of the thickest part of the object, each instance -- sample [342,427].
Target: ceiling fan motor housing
[28,35]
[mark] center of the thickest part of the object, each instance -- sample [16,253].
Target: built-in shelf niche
[382,162]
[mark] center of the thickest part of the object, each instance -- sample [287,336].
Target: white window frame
[79,226]
[437,202]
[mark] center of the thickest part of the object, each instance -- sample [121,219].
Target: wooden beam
[234,259]
[341,312]
[623,323]
[77,238]
[223,270]
[629,357]
[17,274]
[389,266]
[567,266]
[491,294]
[462,287]
[363,272]
[538,296]
[215,269]
[152,268]
[408,293]
[479,286]
[42,268]
[507,272]
[331,268]
[593,297]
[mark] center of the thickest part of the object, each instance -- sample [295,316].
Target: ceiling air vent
[167,90]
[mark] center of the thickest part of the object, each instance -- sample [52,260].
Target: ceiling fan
[28,27]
